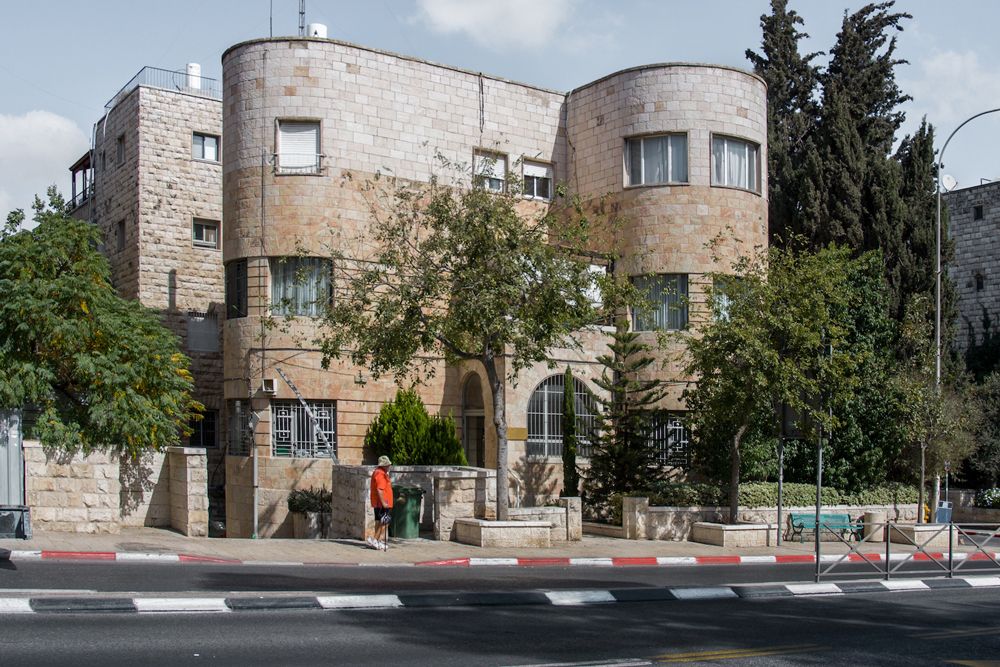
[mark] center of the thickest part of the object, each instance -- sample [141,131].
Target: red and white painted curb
[138,557]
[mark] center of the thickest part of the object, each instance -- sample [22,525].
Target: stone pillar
[574,518]
[634,513]
[188,490]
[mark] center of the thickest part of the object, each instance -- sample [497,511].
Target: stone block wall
[642,522]
[977,254]
[188,491]
[276,478]
[99,493]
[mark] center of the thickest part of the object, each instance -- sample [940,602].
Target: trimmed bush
[304,501]
[406,433]
[988,498]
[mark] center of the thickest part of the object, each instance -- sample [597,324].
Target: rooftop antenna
[302,18]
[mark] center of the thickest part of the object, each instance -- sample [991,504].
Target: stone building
[974,219]
[220,241]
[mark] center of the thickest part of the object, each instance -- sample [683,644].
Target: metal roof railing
[161,78]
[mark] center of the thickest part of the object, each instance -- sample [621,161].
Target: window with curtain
[203,331]
[236,289]
[205,147]
[735,163]
[299,285]
[298,147]
[669,294]
[660,159]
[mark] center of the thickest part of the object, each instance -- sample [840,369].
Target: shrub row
[988,498]
[303,501]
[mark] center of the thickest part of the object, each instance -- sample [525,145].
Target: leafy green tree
[406,433]
[463,274]
[571,473]
[102,370]
[983,469]
[625,456]
[777,337]
[983,358]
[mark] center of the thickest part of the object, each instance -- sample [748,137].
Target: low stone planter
[934,534]
[739,535]
[483,533]
[309,526]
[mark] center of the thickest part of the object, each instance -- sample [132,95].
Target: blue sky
[61,61]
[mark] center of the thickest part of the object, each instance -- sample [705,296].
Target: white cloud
[37,149]
[953,87]
[500,24]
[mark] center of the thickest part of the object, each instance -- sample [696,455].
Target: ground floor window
[204,430]
[545,410]
[294,434]
[670,437]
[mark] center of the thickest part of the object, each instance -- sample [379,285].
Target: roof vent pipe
[316,30]
[194,76]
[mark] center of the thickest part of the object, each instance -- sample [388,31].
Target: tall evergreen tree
[792,114]
[571,473]
[624,457]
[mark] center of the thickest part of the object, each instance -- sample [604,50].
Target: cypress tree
[571,474]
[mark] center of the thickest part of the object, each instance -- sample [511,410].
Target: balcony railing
[161,78]
[80,198]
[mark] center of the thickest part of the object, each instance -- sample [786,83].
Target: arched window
[545,410]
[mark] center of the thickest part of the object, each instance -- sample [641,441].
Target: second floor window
[299,285]
[668,293]
[206,234]
[298,147]
[537,180]
[661,159]
[490,170]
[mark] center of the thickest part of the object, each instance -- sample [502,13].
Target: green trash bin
[406,512]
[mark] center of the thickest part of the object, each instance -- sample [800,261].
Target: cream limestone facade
[302,124]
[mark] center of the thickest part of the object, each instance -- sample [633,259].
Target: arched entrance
[474,422]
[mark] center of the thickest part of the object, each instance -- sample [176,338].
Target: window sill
[203,160]
[298,173]
[735,187]
[201,246]
[657,185]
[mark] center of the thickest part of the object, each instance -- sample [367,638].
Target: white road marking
[568,598]
[703,593]
[983,582]
[814,589]
[600,562]
[15,606]
[492,561]
[128,557]
[158,605]
[358,601]
[905,585]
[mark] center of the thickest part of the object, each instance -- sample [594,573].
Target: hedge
[988,498]
[762,494]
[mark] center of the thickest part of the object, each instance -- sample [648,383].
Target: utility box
[15,522]
[943,514]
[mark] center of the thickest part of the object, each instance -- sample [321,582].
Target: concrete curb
[610,561]
[151,605]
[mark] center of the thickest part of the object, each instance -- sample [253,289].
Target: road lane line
[983,582]
[15,606]
[814,589]
[163,605]
[358,601]
[905,585]
[571,598]
[703,593]
[749,653]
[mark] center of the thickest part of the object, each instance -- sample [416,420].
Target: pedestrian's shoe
[372,544]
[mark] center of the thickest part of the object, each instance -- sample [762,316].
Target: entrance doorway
[474,422]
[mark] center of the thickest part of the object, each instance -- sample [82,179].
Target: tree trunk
[500,424]
[734,483]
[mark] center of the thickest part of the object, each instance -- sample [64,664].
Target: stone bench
[483,533]
[739,535]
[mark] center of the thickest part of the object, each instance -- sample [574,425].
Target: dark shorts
[381,512]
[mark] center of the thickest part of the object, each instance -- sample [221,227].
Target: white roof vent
[316,30]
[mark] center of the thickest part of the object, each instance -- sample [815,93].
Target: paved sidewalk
[153,544]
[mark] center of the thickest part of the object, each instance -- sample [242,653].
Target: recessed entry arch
[474,421]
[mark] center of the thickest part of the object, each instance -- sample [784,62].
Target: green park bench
[802,522]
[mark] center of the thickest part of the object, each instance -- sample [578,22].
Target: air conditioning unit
[268,387]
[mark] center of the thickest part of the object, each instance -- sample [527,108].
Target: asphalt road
[925,628]
[224,578]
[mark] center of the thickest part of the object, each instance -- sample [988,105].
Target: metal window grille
[239,428]
[236,289]
[670,438]
[203,430]
[293,434]
[545,409]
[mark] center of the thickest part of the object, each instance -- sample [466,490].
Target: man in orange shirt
[381,502]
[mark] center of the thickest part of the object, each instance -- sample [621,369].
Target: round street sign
[947,465]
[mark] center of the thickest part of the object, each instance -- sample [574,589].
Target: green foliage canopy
[408,435]
[102,370]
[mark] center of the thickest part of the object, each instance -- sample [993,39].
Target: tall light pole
[937,287]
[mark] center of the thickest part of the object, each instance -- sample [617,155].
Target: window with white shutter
[538,180]
[490,170]
[298,147]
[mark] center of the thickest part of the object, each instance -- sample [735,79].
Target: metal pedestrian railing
[911,550]
[161,78]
